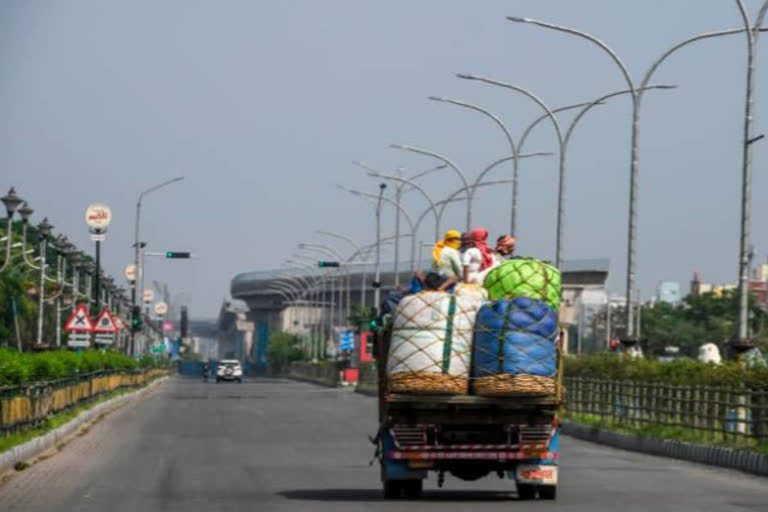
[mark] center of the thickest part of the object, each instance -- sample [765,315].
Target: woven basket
[514,385]
[424,383]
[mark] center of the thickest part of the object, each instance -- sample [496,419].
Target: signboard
[347,341]
[130,272]
[98,237]
[156,349]
[79,340]
[149,296]
[161,308]
[105,323]
[79,321]
[98,216]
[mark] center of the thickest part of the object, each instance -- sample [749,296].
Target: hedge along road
[283,445]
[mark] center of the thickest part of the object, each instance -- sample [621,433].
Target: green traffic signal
[177,255]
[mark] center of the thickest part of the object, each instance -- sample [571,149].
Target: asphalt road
[279,445]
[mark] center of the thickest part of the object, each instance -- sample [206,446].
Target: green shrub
[684,372]
[17,368]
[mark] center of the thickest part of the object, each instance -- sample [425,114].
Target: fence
[325,373]
[28,406]
[714,414]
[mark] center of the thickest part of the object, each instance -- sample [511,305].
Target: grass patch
[661,432]
[55,421]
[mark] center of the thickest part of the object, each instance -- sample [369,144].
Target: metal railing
[29,405]
[713,414]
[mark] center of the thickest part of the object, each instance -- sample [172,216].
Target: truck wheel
[548,492]
[393,489]
[413,488]
[526,492]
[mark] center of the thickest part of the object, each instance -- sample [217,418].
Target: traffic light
[136,324]
[327,264]
[174,255]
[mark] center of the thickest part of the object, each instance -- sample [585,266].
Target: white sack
[419,334]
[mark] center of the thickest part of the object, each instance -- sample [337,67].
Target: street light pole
[377,279]
[45,229]
[753,34]
[137,249]
[11,202]
[637,95]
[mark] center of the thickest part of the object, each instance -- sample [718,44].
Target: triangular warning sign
[105,322]
[79,321]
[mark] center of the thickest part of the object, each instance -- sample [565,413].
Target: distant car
[229,369]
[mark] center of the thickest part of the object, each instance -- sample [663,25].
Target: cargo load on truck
[470,383]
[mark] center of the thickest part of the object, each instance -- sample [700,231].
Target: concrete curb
[38,445]
[742,460]
[367,390]
[310,380]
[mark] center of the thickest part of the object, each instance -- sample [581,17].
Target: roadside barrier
[29,405]
[734,415]
[325,373]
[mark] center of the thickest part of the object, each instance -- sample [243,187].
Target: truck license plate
[537,474]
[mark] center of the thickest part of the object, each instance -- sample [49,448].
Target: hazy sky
[262,106]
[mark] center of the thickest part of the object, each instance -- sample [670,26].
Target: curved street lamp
[637,95]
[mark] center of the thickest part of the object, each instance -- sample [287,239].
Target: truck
[467,436]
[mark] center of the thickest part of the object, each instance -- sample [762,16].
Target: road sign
[79,340]
[105,323]
[347,341]
[98,237]
[157,349]
[79,321]
[161,308]
[98,216]
[130,272]
[103,338]
[149,296]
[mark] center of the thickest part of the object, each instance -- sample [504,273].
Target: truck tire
[393,489]
[547,492]
[526,492]
[413,488]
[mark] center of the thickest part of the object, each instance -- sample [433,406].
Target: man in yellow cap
[446,257]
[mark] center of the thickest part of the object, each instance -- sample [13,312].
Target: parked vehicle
[229,369]
[517,437]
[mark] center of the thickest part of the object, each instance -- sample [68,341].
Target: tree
[283,349]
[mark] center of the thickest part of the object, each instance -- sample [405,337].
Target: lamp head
[45,227]
[26,212]
[11,201]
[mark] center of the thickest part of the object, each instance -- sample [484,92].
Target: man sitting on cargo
[505,248]
[446,259]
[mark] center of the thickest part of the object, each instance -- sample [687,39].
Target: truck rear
[468,437]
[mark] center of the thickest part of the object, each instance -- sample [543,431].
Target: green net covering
[525,277]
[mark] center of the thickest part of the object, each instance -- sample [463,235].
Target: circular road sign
[130,272]
[161,308]
[98,216]
[149,295]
